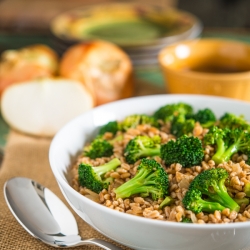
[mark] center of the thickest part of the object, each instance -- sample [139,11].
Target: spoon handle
[101,243]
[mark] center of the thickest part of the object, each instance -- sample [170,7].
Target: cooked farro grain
[179,177]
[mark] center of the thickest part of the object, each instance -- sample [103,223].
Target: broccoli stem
[247,189]
[147,152]
[221,148]
[234,148]
[223,197]
[242,201]
[207,124]
[229,152]
[186,220]
[167,201]
[210,207]
[224,154]
[140,184]
[107,167]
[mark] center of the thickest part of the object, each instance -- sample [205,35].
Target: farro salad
[173,165]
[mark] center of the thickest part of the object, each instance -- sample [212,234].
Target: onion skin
[31,62]
[104,69]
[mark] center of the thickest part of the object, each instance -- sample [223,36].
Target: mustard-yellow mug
[207,66]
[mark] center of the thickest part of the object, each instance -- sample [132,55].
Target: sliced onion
[42,107]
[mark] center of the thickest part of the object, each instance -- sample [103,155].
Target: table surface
[33,155]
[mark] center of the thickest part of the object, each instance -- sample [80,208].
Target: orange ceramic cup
[207,66]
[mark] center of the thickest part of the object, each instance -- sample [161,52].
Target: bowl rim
[202,75]
[164,224]
[194,31]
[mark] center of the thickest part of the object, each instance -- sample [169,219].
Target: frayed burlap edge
[28,157]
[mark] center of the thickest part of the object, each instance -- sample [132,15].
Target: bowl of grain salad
[160,172]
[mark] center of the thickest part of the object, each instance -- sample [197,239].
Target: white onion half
[42,107]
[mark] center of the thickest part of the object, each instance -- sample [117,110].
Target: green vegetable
[169,111]
[186,220]
[182,126]
[166,202]
[205,117]
[246,189]
[93,177]
[142,146]
[99,147]
[133,121]
[149,180]
[186,150]
[242,201]
[227,142]
[211,183]
[193,201]
[111,127]
[232,121]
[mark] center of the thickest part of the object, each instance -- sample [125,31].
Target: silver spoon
[44,215]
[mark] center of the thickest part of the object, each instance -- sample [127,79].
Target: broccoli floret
[183,124]
[166,202]
[211,183]
[228,142]
[93,177]
[180,126]
[111,127]
[193,201]
[132,121]
[186,150]
[149,180]
[169,111]
[232,121]
[205,117]
[99,147]
[218,137]
[186,220]
[142,146]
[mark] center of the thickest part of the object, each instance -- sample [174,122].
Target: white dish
[132,231]
[135,27]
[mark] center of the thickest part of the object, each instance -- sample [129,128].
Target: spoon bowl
[44,215]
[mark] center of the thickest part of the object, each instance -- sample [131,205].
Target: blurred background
[219,13]
[24,16]
[30,20]
[24,22]
[27,22]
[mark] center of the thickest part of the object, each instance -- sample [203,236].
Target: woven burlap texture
[28,157]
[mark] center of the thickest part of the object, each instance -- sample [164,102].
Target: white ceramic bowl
[132,231]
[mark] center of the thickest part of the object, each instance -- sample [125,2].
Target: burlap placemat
[28,157]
